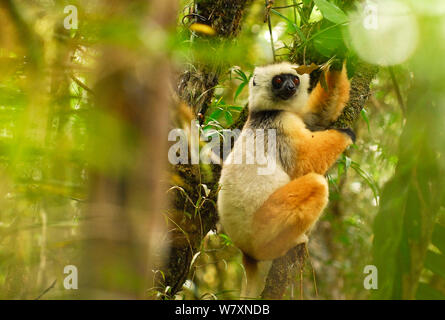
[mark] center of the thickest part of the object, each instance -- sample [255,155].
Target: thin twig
[313,272]
[81,84]
[301,284]
[267,17]
[193,15]
[46,290]
[397,89]
[288,6]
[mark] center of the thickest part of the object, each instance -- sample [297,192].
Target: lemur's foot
[302,239]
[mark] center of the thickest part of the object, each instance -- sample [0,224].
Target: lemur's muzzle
[285,85]
[288,91]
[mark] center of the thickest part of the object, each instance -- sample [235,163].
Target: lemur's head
[278,87]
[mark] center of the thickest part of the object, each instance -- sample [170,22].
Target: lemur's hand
[347,131]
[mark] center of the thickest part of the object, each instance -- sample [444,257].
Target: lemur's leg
[256,273]
[324,107]
[318,151]
[280,223]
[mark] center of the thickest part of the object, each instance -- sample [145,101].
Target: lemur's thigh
[287,214]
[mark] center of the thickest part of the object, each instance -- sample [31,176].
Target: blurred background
[89,91]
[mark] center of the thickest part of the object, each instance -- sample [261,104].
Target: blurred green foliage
[386,193]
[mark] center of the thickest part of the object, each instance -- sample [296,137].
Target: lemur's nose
[290,87]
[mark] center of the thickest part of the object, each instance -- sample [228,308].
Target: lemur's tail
[256,273]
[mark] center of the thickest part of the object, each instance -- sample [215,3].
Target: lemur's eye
[296,80]
[277,82]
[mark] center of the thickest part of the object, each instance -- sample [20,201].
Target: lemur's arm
[324,107]
[318,151]
[315,151]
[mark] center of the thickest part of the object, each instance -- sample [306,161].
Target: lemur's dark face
[284,86]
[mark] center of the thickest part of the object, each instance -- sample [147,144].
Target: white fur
[243,190]
[261,97]
[242,193]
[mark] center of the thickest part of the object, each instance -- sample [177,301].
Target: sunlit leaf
[203,29]
[291,23]
[364,115]
[239,90]
[331,12]
[328,40]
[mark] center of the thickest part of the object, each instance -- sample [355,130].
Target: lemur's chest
[288,128]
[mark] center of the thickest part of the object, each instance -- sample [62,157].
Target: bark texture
[196,86]
[194,213]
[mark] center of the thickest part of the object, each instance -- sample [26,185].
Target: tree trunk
[124,221]
[196,87]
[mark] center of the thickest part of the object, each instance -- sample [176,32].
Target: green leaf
[290,23]
[340,169]
[426,292]
[331,12]
[226,239]
[439,237]
[368,179]
[242,76]
[343,165]
[436,263]
[328,40]
[236,108]
[240,89]
[364,115]
[348,162]
[228,117]
[215,115]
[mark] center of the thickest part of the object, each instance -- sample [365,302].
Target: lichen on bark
[196,88]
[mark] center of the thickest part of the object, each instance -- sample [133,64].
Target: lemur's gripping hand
[325,106]
[349,132]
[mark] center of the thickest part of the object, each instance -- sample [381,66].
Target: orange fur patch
[316,151]
[331,103]
[287,214]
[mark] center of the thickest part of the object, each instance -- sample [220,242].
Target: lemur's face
[278,87]
[284,86]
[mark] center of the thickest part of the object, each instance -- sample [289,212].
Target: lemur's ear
[253,81]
